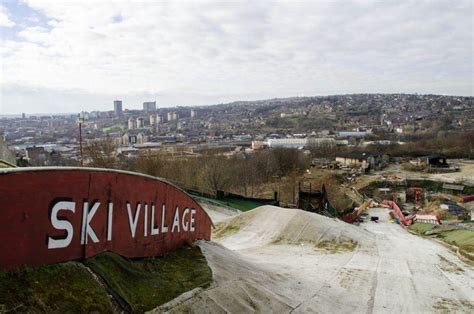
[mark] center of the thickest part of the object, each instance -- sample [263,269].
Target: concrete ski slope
[285,260]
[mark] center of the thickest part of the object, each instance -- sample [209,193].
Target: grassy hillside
[462,238]
[53,288]
[135,285]
[146,283]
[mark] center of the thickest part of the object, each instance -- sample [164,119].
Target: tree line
[243,173]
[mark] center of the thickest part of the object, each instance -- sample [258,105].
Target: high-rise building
[132,124]
[193,113]
[173,115]
[140,123]
[153,119]
[149,106]
[159,119]
[84,115]
[118,107]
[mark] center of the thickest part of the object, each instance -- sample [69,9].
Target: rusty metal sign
[51,215]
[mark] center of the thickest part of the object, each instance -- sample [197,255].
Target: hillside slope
[282,260]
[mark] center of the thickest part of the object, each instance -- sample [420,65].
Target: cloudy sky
[72,55]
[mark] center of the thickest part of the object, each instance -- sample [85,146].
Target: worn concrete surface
[390,270]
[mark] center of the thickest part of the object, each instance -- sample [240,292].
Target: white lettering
[176,220]
[109,221]
[185,224]
[154,231]
[61,225]
[145,223]
[193,213]
[133,221]
[164,228]
[87,216]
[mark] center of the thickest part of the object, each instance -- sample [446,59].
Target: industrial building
[357,159]
[299,142]
[287,142]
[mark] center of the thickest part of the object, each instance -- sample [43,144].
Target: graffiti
[50,215]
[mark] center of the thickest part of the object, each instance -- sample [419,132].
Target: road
[392,271]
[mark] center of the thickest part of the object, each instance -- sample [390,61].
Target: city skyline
[182,53]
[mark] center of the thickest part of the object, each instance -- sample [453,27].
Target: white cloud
[241,49]
[5,20]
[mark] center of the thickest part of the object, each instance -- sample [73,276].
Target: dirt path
[390,270]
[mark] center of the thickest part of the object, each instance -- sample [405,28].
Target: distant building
[153,119]
[353,134]
[84,115]
[141,138]
[118,107]
[149,106]
[432,161]
[453,188]
[258,145]
[140,123]
[363,160]
[172,116]
[159,118]
[287,142]
[37,156]
[132,124]
[134,137]
[193,113]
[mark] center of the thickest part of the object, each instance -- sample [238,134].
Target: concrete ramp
[276,260]
[275,225]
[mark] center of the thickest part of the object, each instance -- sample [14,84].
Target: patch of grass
[461,238]
[66,287]
[421,228]
[333,247]
[149,282]
[279,240]
[448,305]
[240,204]
[115,128]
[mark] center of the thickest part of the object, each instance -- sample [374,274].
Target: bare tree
[101,153]
[216,173]
[149,163]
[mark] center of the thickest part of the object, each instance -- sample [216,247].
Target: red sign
[51,215]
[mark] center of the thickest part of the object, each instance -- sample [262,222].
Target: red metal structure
[406,221]
[416,194]
[467,198]
[352,217]
[51,215]
[420,217]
